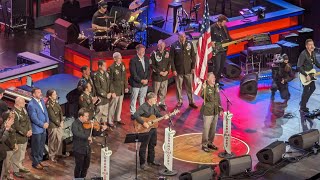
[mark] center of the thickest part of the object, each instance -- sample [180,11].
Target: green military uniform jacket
[212,103]
[55,114]
[183,57]
[102,84]
[86,101]
[160,62]
[118,78]
[11,140]
[22,125]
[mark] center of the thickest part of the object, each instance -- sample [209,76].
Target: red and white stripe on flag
[204,52]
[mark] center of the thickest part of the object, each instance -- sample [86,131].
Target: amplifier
[260,39]
[291,49]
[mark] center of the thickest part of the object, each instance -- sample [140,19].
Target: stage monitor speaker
[155,34]
[304,34]
[291,49]
[122,13]
[66,31]
[290,37]
[272,153]
[203,173]
[231,70]
[236,165]
[249,84]
[158,21]
[305,140]
[57,47]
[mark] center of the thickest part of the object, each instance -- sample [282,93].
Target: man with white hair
[160,69]
[119,86]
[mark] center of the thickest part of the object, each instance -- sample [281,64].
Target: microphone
[217,84]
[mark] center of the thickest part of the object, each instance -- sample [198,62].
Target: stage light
[305,140]
[272,153]
[236,165]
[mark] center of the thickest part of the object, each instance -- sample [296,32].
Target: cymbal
[135,14]
[95,30]
[105,17]
[136,4]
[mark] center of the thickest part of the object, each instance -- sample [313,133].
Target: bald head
[161,45]
[19,102]
[182,37]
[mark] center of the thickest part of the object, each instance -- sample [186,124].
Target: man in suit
[183,67]
[39,122]
[139,75]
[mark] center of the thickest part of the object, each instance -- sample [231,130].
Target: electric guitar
[220,46]
[312,73]
[152,121]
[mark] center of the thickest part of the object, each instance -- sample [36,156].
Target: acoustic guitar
[220,46]
[152,121]
[312,73]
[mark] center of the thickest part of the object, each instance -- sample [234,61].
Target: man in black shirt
[306,61]
[3,105]
[81,143]
[219,34]
[99,23]
[146,110]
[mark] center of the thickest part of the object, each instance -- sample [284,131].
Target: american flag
[204,51]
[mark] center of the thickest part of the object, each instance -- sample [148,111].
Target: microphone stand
[225,154]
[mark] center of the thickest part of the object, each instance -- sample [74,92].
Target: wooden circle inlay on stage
[187,148]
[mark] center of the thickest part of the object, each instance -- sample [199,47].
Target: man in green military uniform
[211,109]
[102,84]
[119,85]
[87,101]
[183,67]
[22,125]
[160,69]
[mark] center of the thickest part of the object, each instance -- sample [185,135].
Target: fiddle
[92,124]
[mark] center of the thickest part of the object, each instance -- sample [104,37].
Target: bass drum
[123,43]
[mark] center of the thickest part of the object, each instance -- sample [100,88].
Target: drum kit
[120,35]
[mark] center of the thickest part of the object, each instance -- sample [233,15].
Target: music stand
[135,138]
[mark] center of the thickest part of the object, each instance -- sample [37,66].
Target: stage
[257,121]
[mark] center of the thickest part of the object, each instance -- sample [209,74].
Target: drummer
[99,23]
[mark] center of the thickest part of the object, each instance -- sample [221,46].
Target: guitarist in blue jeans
[146,110]
[306,61]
